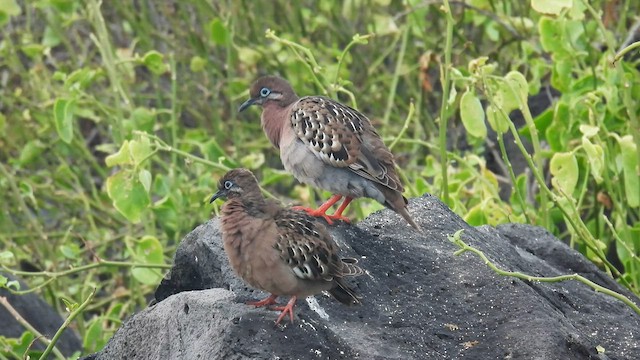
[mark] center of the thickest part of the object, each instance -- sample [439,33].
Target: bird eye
[228,184]
[264,92]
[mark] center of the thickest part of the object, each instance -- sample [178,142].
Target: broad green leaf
[6,257]
[143,119]
[8,8]
[30,152]
[140,150]
[123,156]
[219,32]
[551,7]
[63,117]
[95,336]
[154,61]
[128,194]
[498,122]
[550,34]
[518,85]
[561,75]
[197,64]
[148,250]
[472,115]
[70,251]
[589,130]
[475,216]
[630,166]
[145,179]
[50,38]
[595,154]
[33,51]
[565,171]
[80,79]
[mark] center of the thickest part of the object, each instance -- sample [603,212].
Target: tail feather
[343,293]
[398,203]
[405,214]
[349,267]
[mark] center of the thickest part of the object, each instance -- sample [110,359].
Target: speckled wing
[308,248]
[343,137]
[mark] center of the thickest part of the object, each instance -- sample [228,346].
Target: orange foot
[288,309]
[264,302]
[322,210]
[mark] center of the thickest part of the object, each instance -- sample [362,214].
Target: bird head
[236,183]
[269,89]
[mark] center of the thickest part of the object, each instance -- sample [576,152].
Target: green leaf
[70,251]
[518,85]
[8,8]
[475,216]
[6,257]
[33,51]
[561,75]
[148,250]
[595,154]
[30,152]
[96,336]
[551,7]
[498,122]
[128,194]
[145,179]
[9,284]
[143,119]
[63,116]
[197,64]
[630,165]
[154,61]
[140,150]
[69,304]
[472,114]
[219,32]
[565,171]
[123,156]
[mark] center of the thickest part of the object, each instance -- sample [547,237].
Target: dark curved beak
[219,194]
[248,103]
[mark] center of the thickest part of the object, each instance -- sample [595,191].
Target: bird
[330,146]
[279,250]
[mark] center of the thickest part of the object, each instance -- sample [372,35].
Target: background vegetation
[117,118]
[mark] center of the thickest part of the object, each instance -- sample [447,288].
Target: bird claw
[319,213]
[264,302]
[285,310]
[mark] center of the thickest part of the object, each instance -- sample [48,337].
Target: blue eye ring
[228,184]
[264,92]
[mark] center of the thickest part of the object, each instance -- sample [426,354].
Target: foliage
[116,120]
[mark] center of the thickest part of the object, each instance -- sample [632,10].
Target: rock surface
[40,315]
[419,301]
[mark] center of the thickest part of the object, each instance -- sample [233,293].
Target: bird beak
[219,194]
[248,103]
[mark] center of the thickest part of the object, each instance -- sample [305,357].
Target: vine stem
[16,315]
[66,323]
[456,239]
[444,107]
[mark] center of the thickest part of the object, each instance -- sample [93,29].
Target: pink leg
[322,210]
[286,309]
[264,302]
[338,214]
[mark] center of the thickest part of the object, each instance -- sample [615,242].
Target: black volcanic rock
[419,301]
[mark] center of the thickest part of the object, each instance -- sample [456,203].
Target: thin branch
[16,315]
